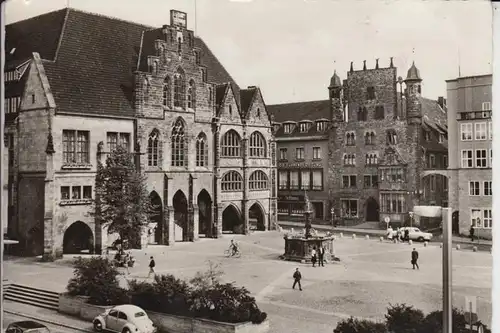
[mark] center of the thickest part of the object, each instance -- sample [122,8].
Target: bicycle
[232,253]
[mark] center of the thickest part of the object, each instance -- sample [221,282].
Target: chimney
[376,64]
[442,102]
[351,67]
[364,65]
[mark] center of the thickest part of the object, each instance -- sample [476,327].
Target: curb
[47,321]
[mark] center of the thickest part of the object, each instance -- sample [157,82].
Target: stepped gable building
[301,131]
[87,83]
[387,148]
[471,154]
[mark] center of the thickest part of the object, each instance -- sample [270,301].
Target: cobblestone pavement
[371,275]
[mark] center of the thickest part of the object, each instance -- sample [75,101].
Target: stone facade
[376,147]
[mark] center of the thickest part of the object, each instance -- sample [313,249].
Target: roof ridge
[322,100]
[111,18]
[37,16]
[61,35]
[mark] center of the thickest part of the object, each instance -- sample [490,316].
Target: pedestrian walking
[321,255]
[296,279]
[152,265]
[398,235]
[407,234]
[414,258]
[313,256]
[389,233]
[471,233]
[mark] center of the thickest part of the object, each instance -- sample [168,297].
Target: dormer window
[427,136]
[350,139]
[287,128]
[304,127]
[441,138]
[392,137]
[321,126]
[276,127]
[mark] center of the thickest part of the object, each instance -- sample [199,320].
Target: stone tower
[413,83]
[336,107]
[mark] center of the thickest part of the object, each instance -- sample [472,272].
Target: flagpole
[195,18]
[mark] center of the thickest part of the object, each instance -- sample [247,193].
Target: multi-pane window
[487,186]
[349,159]
[76,192]
[201,150]
[427,136]
[371,159]
[349,208]
[432,161]
[231,181]
[370,92]
[487,218]
[486,106]
[179,149]
[481,131]
[287,128]
[114,139]
[321,126]
[466,131]
[283,154]
[481,158]
[379,112]
[392,137]
[257,145]
[305,179]
[491,158]
[481,218]
[350,138]
[179,87]
[316,153]
[191,95]
[154,148]
[294,179]
[393,203]
[369,138]
[317,180]
[349,181]
[474,188]
[467,159]
[370,181]
[12,104]
[299,153]
[166,92]
[490,130]
[441,138]
[76,147]
[432,182]
[393,175]
[283,180]
[258,181]
[304,127]
[230,144]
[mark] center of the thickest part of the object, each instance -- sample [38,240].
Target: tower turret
[413,83]
[336,107]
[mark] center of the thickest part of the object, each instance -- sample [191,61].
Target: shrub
[403,318]
[174,295]
[212,276]
[143,294]
[109,295]
[353,325]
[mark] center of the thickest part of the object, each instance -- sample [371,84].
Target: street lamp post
[411,218]
[445,213]
[332,214]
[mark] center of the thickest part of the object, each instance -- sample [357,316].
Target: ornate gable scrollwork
[391,157]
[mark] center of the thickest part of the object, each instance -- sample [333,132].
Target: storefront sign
[301,165]
[178,19]
[291,198]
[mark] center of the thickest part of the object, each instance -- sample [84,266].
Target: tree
[353,325]
[121,201]
[402,318]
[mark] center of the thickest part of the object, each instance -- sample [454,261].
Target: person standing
[414,258]
[471,233]
[389,233]
[296,279]
[321,255]
[152,265]
[313,256]
[407,234]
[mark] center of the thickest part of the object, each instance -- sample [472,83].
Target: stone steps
[32,296]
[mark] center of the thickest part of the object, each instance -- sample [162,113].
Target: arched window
[350,139]
[155,67]
[166,92]
[191,96]
[258,181]
[230,144]
[154,148]
[179,89]
[258,112]
[257,145]
[349,159]
[231,181]
[392,137]
[369,138]
[179,154]
[201,150]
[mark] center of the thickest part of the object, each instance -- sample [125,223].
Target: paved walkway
[371,275]
[374,232]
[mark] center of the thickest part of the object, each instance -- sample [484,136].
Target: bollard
[410,242]
[367,236]
[381,239]
[425,244]
[353,236]
[341,235]
[458,246]
[474,249]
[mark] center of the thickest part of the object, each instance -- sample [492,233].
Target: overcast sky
[290,48]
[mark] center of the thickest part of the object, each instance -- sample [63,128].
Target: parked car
[27,326]
[416,234]
[125,318]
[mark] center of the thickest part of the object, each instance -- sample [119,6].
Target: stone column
[168,237]
[216,221]
[196,221]
[49,232]
[244,202]
[190,224]
[218,209]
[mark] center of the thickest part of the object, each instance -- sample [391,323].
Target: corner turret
[413,83]
[336,108]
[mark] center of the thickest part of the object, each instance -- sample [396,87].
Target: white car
[415,234]
[125,318]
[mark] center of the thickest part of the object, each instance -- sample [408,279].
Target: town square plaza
[370,276]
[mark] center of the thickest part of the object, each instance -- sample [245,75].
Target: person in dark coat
[471,233]
[414,258]
[296,279]
[152,265]
[314,256]
[321,256]
[407,234]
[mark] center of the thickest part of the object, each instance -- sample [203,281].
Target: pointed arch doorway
[231,220]
[156,218]
[180,217]
[372,210]
[257,218]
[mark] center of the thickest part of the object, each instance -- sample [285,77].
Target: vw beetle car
[416,234]
[27,326]
[125,318]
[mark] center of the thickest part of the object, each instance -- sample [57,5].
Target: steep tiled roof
[246,96]
[96,57]
[300,111]
[220,92]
